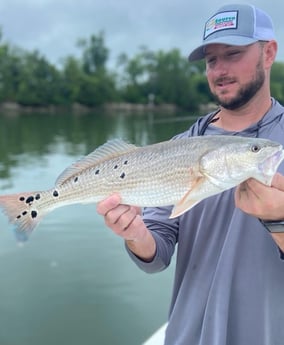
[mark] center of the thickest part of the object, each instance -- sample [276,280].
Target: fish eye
[255,148]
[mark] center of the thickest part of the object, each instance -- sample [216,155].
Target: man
[229,280]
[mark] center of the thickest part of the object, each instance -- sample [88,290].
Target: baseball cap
[238,24]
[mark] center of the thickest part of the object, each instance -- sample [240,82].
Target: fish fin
[110,149]
[22,213]
[187,202]
[180,209]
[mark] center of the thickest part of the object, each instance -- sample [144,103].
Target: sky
[53,27]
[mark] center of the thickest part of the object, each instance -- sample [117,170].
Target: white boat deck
[158,337]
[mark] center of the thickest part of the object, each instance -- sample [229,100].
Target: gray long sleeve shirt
[229,279]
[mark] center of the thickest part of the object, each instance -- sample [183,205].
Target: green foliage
[168,76]
[277,77]
[150,76]
[95,54]
[39,83]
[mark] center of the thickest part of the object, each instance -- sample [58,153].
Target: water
[73,282]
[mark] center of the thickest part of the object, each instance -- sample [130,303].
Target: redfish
[179,172]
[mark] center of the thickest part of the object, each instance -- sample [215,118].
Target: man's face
[235,73]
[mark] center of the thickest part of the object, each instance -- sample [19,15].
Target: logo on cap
[221,21]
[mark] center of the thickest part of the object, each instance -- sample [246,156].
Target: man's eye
[211,60]
[234,53]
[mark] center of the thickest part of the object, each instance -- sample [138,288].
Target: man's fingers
[278,181]
[118,216]
[108,204]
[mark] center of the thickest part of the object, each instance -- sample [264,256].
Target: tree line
[29,79]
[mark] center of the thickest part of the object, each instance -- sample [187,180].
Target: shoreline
[13,108]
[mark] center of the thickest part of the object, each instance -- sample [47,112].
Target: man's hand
[123,220]
[262,201]
[126,222]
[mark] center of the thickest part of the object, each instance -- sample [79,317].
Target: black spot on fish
[30,199]
[115,167]
[55,193]
[37,197]
[19,216]
[122,175]
[125,162]
[97,172]
[76,179]
[34,214]
[22,198]
[24,213]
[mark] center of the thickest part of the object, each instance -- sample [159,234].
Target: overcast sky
[54,26]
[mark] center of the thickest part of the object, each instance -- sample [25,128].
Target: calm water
[73,283]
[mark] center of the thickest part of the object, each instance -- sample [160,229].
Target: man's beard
[246,92]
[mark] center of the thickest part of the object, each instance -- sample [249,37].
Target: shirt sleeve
[165,233]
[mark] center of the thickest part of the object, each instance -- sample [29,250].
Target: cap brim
[198,53]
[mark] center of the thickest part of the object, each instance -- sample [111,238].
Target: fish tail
[23,212]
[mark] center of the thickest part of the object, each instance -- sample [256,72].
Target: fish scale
[180,172]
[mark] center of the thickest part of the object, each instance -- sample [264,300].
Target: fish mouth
[269,166]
